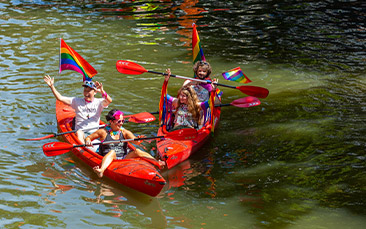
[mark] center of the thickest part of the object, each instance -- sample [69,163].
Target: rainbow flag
[197,51]
[71,60]
[236,75]
[219,93]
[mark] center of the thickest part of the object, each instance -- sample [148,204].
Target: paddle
[143,117]
[58,148]
[131,68]
[249,101]
[245,102]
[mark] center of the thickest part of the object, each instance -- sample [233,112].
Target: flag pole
[59,59]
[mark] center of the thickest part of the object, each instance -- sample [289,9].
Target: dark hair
[110,115]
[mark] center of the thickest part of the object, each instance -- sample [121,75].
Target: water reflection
[119,204]
[325,36]
[55,175]
[297,160]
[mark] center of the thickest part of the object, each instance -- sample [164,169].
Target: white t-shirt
[87,113]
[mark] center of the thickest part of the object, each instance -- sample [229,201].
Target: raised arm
[214,87]
[107,98]
[50,82]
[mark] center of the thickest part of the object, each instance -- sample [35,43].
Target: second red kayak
[175,152]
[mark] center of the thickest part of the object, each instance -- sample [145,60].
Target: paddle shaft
[193,79]
[143,117]
[128,67]
[120,141]
[57,148]
[73,131]
[217,105]
[223,105]
[180,77]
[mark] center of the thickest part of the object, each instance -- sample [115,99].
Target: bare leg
[140,153]
[143,154]
[107,160]
[81,136]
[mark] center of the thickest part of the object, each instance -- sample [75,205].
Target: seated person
[202,70]
[116,151]
[87,109]
[187,109]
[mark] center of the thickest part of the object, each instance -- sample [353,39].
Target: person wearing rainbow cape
[187,108]
[87,109]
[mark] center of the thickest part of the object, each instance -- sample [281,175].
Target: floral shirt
[184,118]
[203,92]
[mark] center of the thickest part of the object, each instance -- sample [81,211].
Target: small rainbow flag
[219,93]
[197,51]
[71,60]
[236,75]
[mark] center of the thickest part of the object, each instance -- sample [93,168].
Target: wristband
[104,95]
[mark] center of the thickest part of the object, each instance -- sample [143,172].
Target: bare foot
[98,171]
[162,164]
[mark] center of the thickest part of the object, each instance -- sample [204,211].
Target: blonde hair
[203,64]
[192,102]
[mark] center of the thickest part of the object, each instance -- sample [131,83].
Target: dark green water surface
[295,161]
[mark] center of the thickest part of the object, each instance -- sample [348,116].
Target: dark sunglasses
[203,62]
[120,121]
[89,84]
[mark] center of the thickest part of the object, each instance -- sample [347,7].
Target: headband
[117,114]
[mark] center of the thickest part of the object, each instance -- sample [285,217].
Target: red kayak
[175,152]
[134,173]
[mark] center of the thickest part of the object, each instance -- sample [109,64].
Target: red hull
[175,152]
[134,173]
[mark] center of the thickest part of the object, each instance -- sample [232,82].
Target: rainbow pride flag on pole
[236,75]
[71,60]
[197,51]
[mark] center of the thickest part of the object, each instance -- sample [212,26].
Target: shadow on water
[306,149]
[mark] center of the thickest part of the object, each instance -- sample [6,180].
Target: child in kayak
[87,109]
[119,151]
[187,108]
[202,70]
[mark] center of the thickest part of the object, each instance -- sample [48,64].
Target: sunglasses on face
[89,84]
[120,121]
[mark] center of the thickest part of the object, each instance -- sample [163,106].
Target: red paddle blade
[143,117]
[182,134]
[249,101]
[259,92]
[129,68]
[56,148]
[41,138]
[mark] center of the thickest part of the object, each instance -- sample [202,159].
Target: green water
[295,161]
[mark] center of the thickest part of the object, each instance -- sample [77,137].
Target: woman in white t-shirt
[87,109]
